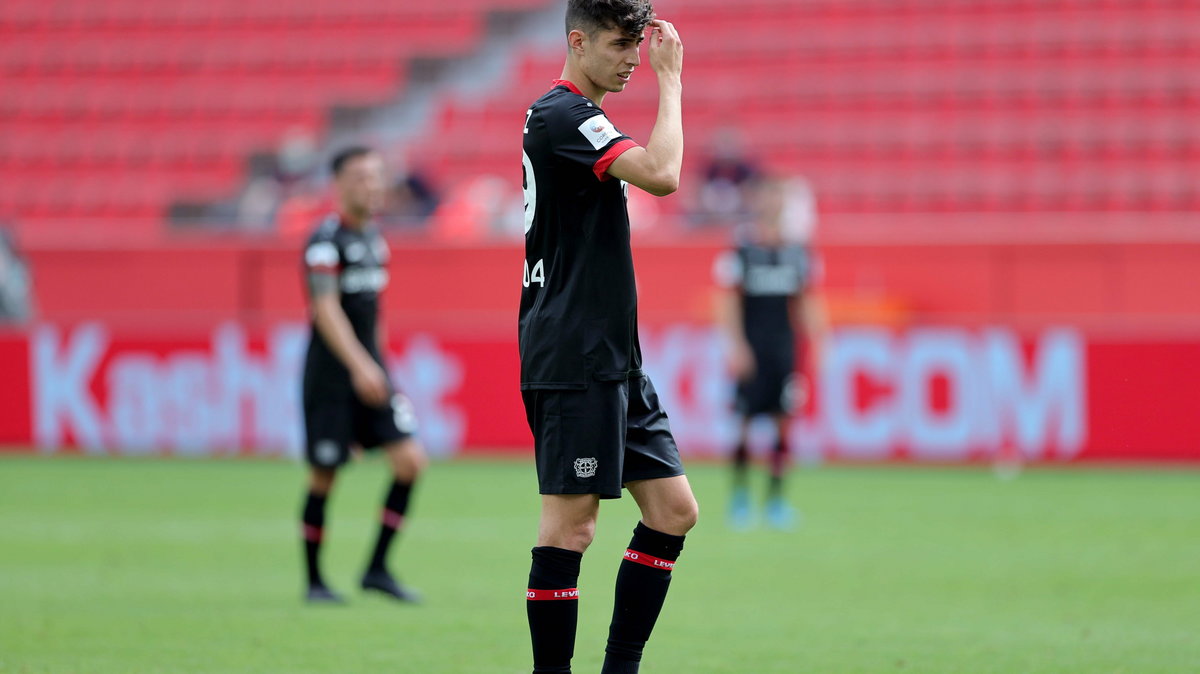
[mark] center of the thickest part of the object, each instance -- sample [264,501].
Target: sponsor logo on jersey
[355,252]
[599,131]
[771,280]
[586,467]
[370,279]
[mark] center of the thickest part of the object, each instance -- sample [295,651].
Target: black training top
[357,258]
[578,319]
[768,279]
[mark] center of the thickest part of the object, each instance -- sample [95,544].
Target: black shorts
[334,423]
[772,389]
[594,441]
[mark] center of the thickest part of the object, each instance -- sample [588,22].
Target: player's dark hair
[590,16]
[347,155]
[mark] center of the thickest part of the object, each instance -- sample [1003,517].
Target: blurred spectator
[412,199]
[727,177]
[293,176]
[15,284]
[483,207]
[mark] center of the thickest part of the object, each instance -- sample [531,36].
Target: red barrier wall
[1147,286]
[195,348]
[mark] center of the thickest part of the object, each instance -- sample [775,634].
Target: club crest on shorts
[586,467]
[325,452]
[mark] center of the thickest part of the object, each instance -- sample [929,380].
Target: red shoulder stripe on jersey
[600,168]
[568,84]
[552,595]
[649,560]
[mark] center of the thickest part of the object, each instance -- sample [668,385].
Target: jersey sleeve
[727,270]
[322,262]
[584,135]
[322,256]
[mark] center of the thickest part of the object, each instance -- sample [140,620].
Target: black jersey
[358,258]
[768,279]
[578,319]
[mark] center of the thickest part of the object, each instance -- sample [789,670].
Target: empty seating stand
[113,110]
[913,105]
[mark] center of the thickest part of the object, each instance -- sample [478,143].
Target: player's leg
[779,513]
[320,483]
[739,504]
[566,528]
[654,476]
[327,446]
[393,430]
[578,437]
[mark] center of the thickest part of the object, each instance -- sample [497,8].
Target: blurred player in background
[767,299]
[349,403]
[597,422]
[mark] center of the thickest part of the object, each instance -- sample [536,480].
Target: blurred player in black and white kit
[349,402]
[596,419]
[766,303]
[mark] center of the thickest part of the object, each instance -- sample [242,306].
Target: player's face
[610,57]
[769,201]
[362,186]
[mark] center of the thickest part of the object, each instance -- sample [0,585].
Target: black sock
[552,603]
[314,529]
[391,519]
[779,460]
[741,462]
[642,583]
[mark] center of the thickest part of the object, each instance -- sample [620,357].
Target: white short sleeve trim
[322,254]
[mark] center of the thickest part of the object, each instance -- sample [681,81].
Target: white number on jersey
[530,188]
[536,275]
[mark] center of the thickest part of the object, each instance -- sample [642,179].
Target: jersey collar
[568,84]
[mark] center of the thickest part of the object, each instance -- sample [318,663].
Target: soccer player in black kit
[767,302]
[596,420]
[349,401]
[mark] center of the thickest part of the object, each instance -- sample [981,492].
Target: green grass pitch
[122,565]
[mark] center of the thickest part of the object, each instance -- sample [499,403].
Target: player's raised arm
[656,167]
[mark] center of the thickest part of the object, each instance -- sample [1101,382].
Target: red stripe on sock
[392,519]
[313,534]
[552,595]
[649,560]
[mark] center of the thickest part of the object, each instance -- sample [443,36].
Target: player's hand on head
[370,384]
[665,48]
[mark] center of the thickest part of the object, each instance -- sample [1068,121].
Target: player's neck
[352,220]
[583,83]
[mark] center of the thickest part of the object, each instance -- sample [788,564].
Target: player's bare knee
[320,480]
[675,517]
[408,460]
[575,536]
[685,513]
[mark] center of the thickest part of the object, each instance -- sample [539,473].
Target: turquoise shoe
[780,515]
[741,515]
